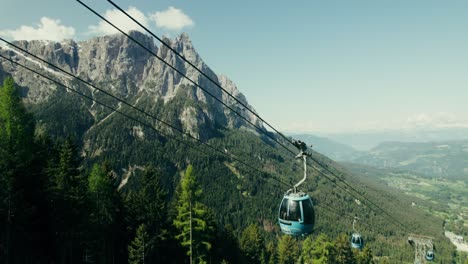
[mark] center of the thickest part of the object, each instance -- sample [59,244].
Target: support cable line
[132,106]
[225,91]
[151,126]
[241,116]
[263,175]
[184,76]
[203,89]
[339,213]
[193,82]
[261,130]
[147,124]
[197,69]
[367,199]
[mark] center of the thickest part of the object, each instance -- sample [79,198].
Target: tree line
[238,195]
[54,210]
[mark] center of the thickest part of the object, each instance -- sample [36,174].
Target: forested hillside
[445,198]
[79,213]
[85,184]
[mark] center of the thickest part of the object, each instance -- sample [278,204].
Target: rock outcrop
[123,68]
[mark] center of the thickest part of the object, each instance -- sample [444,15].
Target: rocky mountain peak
[183,43]
[63,54]
[120,66]
[115,56]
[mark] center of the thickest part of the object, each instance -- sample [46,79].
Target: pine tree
[66,191]
[16,125]
[137,249]
[22,202]
[105,205]
[318,250]
[192,220]
[308,249]
[16,140]
[344,253]
[272,253]
[67,178]
[227,246]
[148,207]
[101,189]
[365,257]
[288,250]
[251,244]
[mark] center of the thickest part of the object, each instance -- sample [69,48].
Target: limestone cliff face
[120,66]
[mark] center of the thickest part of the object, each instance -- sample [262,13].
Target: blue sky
[308,66]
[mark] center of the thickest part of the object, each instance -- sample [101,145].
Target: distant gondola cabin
[356,241]
[430,255]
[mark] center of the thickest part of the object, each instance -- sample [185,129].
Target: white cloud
[419,120]
[172,19]
[47,29]
[120,20]
[436,120]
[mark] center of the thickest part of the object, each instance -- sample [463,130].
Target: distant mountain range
[366,140]
[445,159]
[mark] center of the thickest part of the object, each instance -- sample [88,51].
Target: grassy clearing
[450,195]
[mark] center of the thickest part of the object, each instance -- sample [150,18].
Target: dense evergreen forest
[60,206]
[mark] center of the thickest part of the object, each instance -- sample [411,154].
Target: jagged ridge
[123,68]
